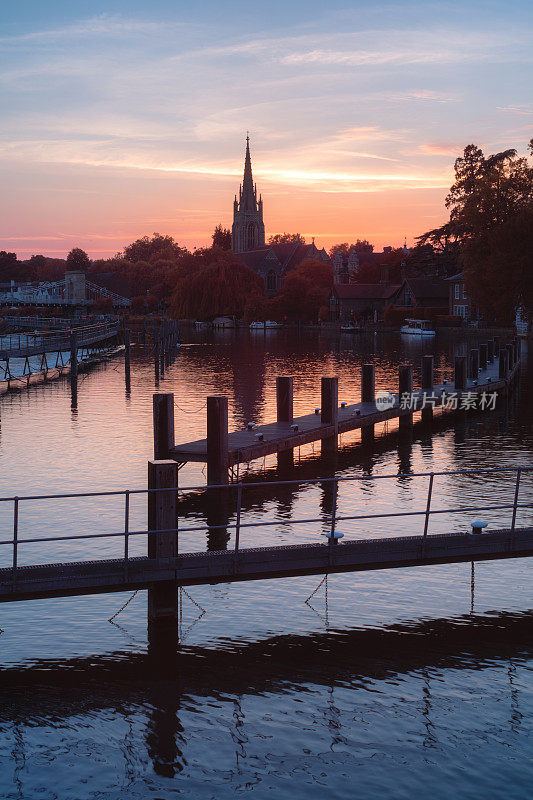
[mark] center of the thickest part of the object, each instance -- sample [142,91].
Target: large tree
[304,292]
[78,259]
[490,204]
[223,288]
[152,248]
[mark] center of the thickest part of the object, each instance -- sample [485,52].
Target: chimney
[384,280]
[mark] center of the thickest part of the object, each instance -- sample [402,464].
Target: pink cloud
[440,149]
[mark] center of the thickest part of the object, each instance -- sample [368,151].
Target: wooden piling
[162,516]
[460,373]
[405,389]
[474,364]
[503,365]
[483,356]
[217,441]
[510,356]
[285,413]
[127,363]
[428,367]
[163,417]
[490,350]
[329,412]
[74,369]
[156,353]
[368,395]
[496,342]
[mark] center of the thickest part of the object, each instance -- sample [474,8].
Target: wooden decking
[259,563]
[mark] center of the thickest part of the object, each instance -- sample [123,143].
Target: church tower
[248,230]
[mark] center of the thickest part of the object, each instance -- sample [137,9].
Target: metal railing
[237,490]
[12,343]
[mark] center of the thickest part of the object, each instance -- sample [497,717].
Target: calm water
[392,683]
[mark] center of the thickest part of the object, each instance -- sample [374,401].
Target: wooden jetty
[164,568]
[486,370]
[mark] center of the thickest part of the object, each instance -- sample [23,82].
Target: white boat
[261,326]
[349,328]
[418,327]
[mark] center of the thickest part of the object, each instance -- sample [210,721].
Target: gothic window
[251,236]
[272,283]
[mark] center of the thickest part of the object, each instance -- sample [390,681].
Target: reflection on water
[382,685]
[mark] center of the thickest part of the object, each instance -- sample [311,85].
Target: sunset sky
[124,118]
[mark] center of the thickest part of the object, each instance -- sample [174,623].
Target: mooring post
[405,389]
[217,441]
[368,395]
[504,361]
[474,364]
[127,364]
[428,365]
[74,369]
[163,416]
[163,541]
[285,414]
[460,373]
[510,356]
[329,412]
[496,342]
[162,351]
[155,334]
[490,350]
[483,356]
[143,334]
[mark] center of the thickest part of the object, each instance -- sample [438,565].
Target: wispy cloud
[440,149]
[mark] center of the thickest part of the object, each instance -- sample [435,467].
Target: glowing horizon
[116,126]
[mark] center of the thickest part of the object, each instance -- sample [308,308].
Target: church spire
[248,202]
[248,230]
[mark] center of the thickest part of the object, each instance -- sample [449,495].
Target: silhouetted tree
[148,249]
[221,238]
[286,238]
[78,259]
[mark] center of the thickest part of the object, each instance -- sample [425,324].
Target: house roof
[426,287]
[365,291]
[457,277]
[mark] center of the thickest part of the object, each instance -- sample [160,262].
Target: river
[393,683]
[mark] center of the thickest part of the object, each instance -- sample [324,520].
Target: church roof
[288,255]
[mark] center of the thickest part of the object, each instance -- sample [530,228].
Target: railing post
[126,529]
[332,539]
[368,395]
[428,504]
[163,538]
[15,536]
[515,503]
[329,412]
[285,414]
[238,521]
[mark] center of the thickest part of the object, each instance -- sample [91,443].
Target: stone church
[271,261]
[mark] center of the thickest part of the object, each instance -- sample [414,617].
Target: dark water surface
[397,683]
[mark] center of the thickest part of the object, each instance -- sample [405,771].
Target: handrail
[258,485]
[331,519]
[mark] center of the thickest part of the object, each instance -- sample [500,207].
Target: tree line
[489,236]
